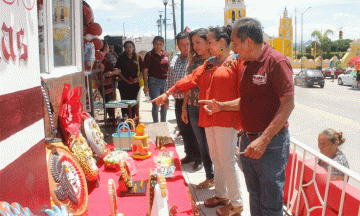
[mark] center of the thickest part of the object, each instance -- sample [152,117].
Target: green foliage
[327,48]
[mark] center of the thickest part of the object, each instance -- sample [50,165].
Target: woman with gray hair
[328,142]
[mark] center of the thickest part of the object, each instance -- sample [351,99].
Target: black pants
[128,92]
[190,143]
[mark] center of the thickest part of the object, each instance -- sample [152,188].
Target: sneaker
[229,210]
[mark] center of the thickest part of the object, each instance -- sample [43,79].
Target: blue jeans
[156,88]
[265,177]
[193,113]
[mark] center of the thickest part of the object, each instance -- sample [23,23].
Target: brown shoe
[229,210]
[215,201]
[205,184]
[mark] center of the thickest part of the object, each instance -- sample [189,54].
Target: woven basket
[123,139]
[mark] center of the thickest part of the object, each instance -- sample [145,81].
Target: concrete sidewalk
[192,178]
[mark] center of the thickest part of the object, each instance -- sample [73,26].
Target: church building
[235,9]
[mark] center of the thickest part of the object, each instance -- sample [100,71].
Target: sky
[138,17]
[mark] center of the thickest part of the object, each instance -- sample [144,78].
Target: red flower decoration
[174,209]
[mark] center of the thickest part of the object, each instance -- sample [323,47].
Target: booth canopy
[356,59]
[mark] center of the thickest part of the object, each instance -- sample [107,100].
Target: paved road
[334,106]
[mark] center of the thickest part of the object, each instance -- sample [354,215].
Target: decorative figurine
[140,147]
[125,180]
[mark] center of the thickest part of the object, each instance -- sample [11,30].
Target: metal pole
[160,25]
[165,24]
[295,35]
[182,16]
[302,54]
[302,36]
[174,21]
[124,29]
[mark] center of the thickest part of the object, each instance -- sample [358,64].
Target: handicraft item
[125,180]
[70,116]
[94,136]
[112,160]
[141,147]
[165,163]
[15,209]
[113,199]
[160,206]
[123,139]
[66,178]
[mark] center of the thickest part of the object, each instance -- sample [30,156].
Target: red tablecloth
[138,205]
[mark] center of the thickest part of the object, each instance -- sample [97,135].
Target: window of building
[60,36]
[240,14]
[233,16]
[233,1]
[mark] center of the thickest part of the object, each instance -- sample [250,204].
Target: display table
[139,205]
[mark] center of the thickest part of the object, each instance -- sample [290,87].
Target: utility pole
[182,16]
[295,35]
[165,3]
[174,22]
[124,29]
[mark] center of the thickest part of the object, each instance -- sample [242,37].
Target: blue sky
[139,16]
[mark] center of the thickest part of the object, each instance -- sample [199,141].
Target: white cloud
[145,3]
[140,15]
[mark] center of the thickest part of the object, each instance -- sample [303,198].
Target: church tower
[285,28]
[234,9]
[284,42]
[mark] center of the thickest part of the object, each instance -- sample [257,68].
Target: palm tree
[323,39]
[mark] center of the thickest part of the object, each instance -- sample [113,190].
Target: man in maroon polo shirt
[266,102]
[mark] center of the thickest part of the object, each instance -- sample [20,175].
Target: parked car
[327,72]
[348,78]
[309,77]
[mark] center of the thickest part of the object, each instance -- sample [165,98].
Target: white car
[348,78]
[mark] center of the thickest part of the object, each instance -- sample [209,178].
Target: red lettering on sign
[9,2]
[20,38]
[23,1]
[28,8]
[6,54]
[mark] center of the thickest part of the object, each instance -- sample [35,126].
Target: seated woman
[328,143]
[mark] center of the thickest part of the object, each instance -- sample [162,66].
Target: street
[335,107]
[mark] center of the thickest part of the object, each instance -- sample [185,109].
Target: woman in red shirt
[217,80]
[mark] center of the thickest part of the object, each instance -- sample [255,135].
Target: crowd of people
[233,96]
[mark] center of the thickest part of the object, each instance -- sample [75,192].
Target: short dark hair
[181,35]
[105,43]
[158,38]
[222,32]
[249,28]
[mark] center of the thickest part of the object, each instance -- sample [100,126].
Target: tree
[323,39]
